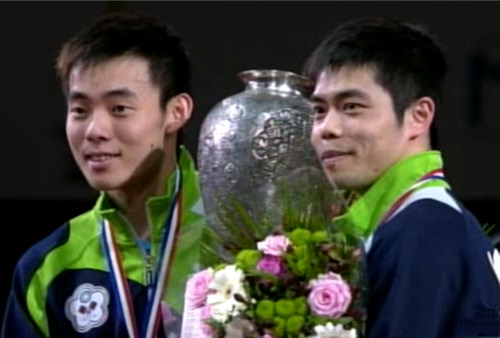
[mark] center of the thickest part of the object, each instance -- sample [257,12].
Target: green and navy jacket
[61,268]
[427,264]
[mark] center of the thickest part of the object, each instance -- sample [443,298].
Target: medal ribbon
[160,274]
[437,174]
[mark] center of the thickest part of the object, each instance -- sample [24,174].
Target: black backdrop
[40,186]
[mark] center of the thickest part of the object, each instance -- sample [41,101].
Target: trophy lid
[279,80]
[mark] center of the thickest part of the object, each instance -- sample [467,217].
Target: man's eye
[318,110]
[350,106]
[119,109]
[77,110]
[319,113]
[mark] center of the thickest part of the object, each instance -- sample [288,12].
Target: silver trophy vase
[255,159]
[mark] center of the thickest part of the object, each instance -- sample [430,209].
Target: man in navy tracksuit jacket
[431,271]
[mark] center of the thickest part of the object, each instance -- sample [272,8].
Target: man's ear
[419,117]
[177,112]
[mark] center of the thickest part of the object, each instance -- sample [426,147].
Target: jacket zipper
[149,273]
[146,254]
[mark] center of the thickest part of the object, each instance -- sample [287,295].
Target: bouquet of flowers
[300,280]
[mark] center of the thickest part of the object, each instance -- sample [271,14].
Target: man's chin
[346,183]
[102,185]
[338,182]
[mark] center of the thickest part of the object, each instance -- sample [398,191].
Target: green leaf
[488,228]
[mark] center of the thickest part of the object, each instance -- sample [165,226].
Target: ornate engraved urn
[254,154]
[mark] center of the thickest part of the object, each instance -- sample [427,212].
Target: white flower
[331,331]
[225,284]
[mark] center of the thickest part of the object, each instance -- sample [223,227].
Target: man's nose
[332,126]
[99,126]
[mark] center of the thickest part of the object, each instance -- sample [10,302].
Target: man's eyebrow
[339,95]
[120,92]
[351,93]
[316,99]
[75,95]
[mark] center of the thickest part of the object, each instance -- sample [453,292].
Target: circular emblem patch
[87,308]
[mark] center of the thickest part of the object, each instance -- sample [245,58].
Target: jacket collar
[157,206]
[367,211]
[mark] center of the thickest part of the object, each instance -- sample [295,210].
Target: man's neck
[132,201]
[368,210]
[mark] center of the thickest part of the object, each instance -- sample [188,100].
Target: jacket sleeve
[17,322]
[424,277]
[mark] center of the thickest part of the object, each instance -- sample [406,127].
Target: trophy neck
[277,80]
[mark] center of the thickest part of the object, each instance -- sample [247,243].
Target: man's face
[355,131]
[114,125]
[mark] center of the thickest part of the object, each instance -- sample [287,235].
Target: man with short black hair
[119,270]
[429,264]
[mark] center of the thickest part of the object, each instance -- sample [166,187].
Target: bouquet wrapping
[302,279]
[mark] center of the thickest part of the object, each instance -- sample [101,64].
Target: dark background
[40,187]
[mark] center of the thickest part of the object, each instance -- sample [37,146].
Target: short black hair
[122,34]
[408,62]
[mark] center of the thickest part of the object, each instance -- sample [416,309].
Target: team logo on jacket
[494,258]
[87,308]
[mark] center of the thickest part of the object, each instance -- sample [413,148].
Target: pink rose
[274,245]
[271,264]
[197,288]
[330,295]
